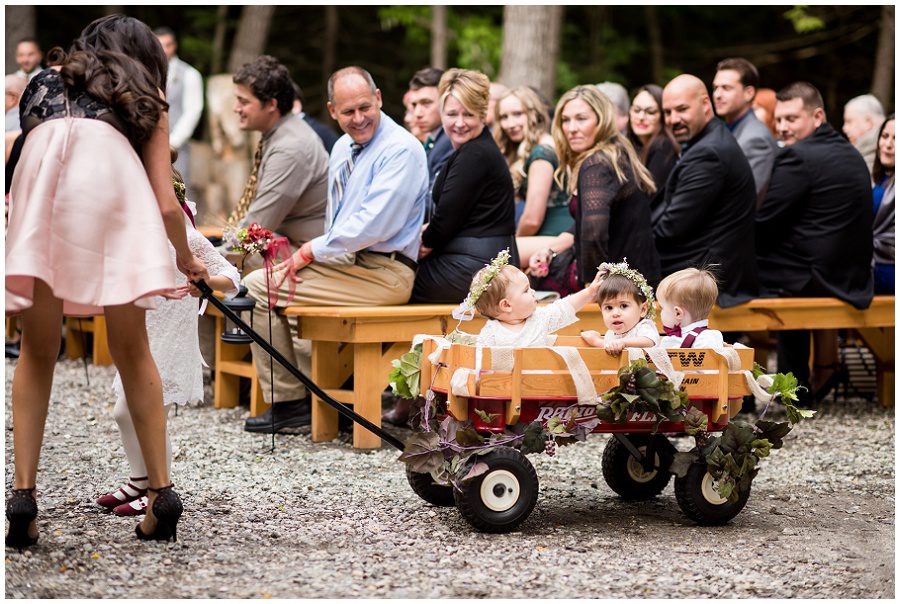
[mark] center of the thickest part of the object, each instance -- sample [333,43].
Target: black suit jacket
[329,138]
[814,228]
[440,150]
[705,217]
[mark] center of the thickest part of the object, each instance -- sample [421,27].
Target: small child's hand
[615,346]
[593,338]
[597,282]
[177,293]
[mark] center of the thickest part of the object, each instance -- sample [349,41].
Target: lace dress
[83,217]
[173,329]
[538,329]
[644,329]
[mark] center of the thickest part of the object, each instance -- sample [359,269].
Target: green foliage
[641,390]
[802,21]
[404,379]
[487,418]
[695,421]
[479,44]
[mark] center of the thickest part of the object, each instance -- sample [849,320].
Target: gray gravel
[325,520]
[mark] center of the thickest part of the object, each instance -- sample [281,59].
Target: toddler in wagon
[626,302]
[503,294]
[686,298]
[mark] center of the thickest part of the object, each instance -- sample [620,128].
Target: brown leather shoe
[399,415]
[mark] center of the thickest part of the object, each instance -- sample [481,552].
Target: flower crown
[622,269]
[466,310]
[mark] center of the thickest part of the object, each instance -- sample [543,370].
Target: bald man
[705,216]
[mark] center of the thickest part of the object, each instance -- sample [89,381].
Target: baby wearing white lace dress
[514,318]
[626,302]
[172,328]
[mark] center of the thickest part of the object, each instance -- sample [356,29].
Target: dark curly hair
[268,79]
[118,61]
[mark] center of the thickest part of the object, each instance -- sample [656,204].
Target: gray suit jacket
[758,144]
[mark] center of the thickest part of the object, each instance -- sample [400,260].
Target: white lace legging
[130,440]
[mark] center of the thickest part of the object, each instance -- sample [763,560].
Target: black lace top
[45,99]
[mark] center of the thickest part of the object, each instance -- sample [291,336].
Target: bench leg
[368,383]
[101,344]
[258,404]
[326,373]
[74,342]
[880,341]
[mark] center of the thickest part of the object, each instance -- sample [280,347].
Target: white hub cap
[708,488]
[636,471]
[499,490]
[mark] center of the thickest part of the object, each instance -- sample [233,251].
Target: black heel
[840,375]
[21,510]
[167,510]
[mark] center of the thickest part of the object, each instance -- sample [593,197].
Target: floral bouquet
[256,239]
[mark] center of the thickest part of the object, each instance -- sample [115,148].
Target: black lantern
[231,333]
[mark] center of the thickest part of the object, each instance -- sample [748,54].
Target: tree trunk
[531,47]
[218,45]
[329,51]
[20,23]
[252,35]
[654,36]
[439,36]
[883,75]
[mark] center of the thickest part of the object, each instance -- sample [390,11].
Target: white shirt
[644,329]
[708,338]
[537,331]
[191,84]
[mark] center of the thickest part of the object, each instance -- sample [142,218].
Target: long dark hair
[663,132]
[118,61]
[878,170]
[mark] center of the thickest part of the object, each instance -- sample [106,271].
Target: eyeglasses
[648,111]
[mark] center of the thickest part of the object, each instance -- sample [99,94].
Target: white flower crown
[622,268]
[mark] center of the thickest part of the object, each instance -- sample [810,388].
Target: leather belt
[398,257]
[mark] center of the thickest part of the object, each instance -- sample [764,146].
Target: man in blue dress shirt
[378,183]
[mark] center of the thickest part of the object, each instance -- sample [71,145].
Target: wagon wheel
[626,475]
[502,498]
[699,500]
[425,487]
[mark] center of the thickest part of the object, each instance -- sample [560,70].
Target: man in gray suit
[734,89]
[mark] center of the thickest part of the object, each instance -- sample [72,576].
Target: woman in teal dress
[521,131]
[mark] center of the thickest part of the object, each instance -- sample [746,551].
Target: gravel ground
[325,520]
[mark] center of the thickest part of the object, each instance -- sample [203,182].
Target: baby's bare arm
[593,338]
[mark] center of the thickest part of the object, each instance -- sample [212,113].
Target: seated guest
[705,217]
[326,134]
[523,135]
[377,183]
[764,108]
[426,113]
[814,228]
[618,96]
[883,197]
[474,211]
[863,116]
[497,90]
[651,138]
[734,88]
[610,202]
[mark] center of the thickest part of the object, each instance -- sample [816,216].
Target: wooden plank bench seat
[363,340]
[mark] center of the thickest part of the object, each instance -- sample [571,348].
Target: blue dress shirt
[383,203]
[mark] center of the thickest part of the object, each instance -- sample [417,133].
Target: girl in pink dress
[92,206]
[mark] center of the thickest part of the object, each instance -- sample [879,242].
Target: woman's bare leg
[130,350]
[41,329]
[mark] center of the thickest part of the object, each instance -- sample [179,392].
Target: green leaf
[487,418]
[758,370]
[682,461]
[774,432]
[805,413]
[469,438]
[786,385]
[725,486]
[761,447]
[736,437]
[578,433]
[422,452]
[695,421]
[534,439]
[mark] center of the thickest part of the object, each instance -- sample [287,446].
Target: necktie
[249,190]
[340,183]
[673,331]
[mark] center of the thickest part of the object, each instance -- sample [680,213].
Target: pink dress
[83,217]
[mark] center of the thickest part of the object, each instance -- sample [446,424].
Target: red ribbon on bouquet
[279,250]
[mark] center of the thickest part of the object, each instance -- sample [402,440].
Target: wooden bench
[362,341]
[77,327]
[230,367]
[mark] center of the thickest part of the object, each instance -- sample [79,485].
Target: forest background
[843,50]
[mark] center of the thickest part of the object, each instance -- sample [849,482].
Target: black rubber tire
[620,467]
[509,469]
[424,486]
[697,506]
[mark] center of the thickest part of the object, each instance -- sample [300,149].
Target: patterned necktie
[340,183]
[249,190]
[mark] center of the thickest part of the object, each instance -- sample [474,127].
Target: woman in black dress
[474,208]
[610,190]
[647,131]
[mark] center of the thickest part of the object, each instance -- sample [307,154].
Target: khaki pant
[372,280]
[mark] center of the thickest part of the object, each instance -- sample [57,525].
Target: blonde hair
[471,88]
[489,300]
[537,124]
[608,142]
[693,289]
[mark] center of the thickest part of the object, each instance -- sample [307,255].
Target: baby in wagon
[626,301]
[503,294]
